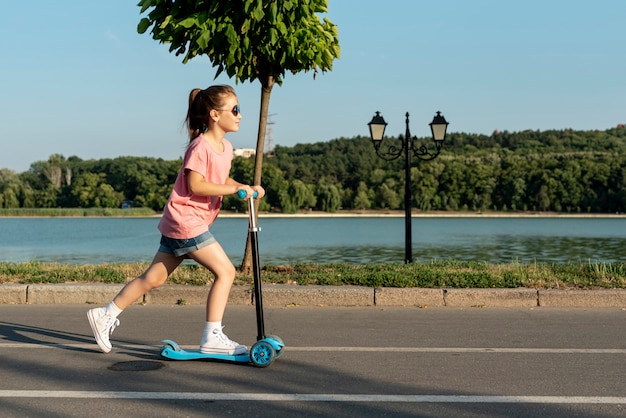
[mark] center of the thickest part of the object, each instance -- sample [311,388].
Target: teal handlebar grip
[242,194]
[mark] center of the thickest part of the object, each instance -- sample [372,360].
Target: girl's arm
[199,187]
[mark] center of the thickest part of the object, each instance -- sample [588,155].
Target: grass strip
[434,274]
[75,212]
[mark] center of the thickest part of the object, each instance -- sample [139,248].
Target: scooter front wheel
[262,354]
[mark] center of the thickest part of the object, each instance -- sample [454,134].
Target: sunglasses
[235,110]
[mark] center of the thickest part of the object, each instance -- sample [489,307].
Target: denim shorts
[182,247]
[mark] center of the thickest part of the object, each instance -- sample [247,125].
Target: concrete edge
[13,293]
[294,295]
[604,298]
[498,298]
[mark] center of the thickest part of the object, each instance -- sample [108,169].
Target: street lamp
[407,144]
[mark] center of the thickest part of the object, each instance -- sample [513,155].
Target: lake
[354,240]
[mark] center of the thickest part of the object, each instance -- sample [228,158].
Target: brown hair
[200,104]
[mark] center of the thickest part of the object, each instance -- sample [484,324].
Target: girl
[191,209]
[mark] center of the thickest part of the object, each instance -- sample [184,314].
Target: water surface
[357,240]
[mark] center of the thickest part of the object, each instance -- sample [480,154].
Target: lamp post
[407,144]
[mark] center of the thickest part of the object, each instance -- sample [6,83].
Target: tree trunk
[266,90]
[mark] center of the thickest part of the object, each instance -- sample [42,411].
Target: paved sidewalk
[294,295]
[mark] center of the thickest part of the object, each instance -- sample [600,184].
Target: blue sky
[77,79]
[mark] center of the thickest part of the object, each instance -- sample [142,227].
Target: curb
[294,295]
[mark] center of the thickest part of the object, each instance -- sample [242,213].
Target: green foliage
[550,171]
[247,39]
[91,190]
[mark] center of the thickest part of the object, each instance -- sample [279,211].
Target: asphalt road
[340,362]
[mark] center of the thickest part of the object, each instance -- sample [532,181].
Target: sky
[77,79]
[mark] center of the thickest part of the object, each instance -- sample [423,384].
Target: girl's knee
[226,275]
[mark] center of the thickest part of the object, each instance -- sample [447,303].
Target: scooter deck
[171,350]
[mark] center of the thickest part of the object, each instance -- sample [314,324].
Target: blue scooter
[267,347]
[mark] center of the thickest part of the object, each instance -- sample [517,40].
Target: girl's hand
[247,189]
[260,190]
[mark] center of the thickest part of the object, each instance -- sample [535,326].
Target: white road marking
[271,397]
[465,350]
[311,397]
[289,348]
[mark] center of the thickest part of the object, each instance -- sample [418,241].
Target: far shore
[370,214]
[433,214]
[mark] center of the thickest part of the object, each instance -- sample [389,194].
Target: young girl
[191,209]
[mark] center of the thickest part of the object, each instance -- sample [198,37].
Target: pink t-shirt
[186,215]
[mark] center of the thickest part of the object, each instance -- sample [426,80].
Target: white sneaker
[102,325]
[219,343]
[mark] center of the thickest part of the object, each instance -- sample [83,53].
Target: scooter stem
[253,229]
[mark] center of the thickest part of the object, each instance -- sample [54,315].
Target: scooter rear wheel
[172,345]
[279,341]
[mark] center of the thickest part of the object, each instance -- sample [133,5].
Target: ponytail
[200,104]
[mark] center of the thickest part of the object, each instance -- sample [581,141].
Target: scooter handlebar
[242,194]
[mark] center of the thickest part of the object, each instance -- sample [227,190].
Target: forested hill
[562,171]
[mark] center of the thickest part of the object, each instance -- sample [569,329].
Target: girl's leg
[104,320]
[215,260]
[162,266]
[213,340]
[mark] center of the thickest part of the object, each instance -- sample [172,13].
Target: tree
[297,196]
[248,40]
[276,186]
[362,199]
[328,197]
[387,197]
[47,178]
[91,190]
[10,188]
